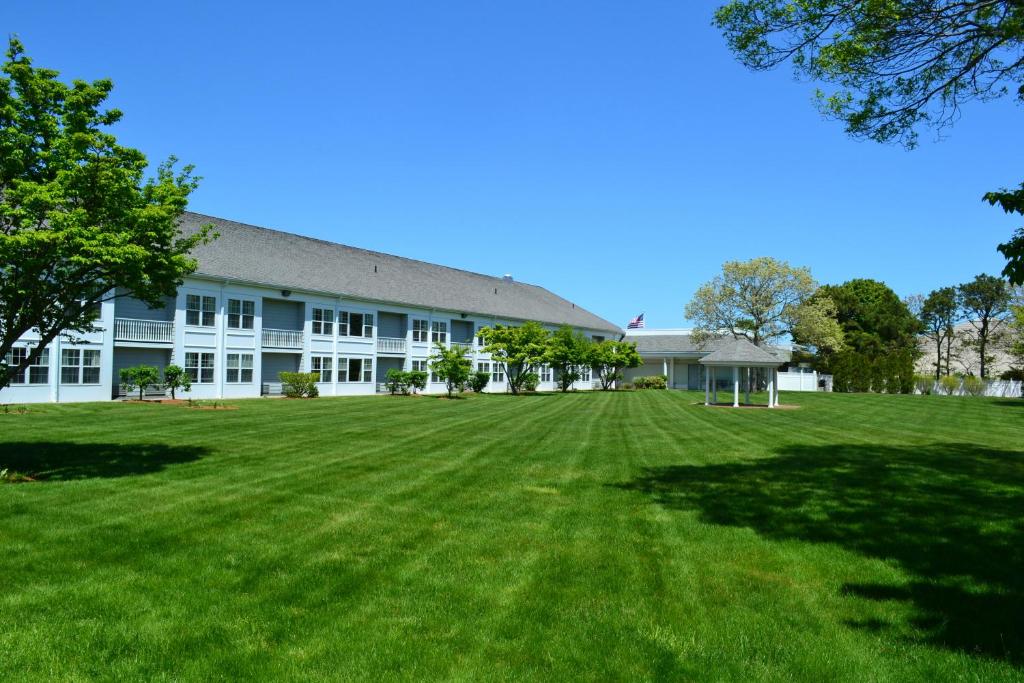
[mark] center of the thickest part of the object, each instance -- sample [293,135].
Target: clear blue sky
[613,152]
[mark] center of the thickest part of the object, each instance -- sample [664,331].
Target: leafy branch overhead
[894,66]
[80,220]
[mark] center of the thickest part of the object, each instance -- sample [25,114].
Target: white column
[746,397]
[707,386]
[771,389]
[775,374]
[735,386]
[664,368]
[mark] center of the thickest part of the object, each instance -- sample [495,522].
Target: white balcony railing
[390,345]
[465,346]
[133,330]
[282,339]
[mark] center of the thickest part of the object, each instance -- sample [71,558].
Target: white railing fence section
[1000,388]
[391,344]
[132,329]
[282,339]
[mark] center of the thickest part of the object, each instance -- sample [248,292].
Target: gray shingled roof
[739,352]
[653,344]
[280,259]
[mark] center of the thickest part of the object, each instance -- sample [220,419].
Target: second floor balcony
[465,346]
[282,339]
[393,345]
[143,331]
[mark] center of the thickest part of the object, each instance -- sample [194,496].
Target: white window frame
[204,311]
[84,362]
[439,332]
[585,371]
[497,372]
[323,366]
[545,373]
[365,372]
[346,320]
[420,366]
[202,371]
[420,330]
[244,317]
[36,374]
[238,368]
[323,321]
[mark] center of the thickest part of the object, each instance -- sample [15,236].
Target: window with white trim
[419,330]
[497,372]
[439,332]
[355,324]
[38,372]
[355,369]
[241,314]
[419,366]
[584,373]
[323,321]
[199,367]
[200,311]
[321,365]
[545,373]
[239,368]
[79,366]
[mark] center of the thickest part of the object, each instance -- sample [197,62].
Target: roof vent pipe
[507,277]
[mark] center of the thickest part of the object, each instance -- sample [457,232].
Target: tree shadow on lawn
[950,514]
[66,461]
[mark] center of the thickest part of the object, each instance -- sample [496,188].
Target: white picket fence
[804,381]
[1002,388]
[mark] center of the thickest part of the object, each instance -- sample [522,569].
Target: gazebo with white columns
[740,354]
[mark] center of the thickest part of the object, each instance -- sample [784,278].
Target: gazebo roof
[741,352]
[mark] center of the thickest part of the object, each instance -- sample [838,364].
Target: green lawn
[598,536]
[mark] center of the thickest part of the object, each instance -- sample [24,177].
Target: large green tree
[452,365]
[764,299]
[986,304]
[518,349]
[939,314]
[80,221]
[880,338]
[893,65]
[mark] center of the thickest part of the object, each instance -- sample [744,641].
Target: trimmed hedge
[300,384]
[651,382]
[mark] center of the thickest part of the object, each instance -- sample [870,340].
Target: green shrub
[418,379]
[949,384]
[651,382]
[924,384]
[397,381]
[300,384]
[478,380]
[974,386]
[530,381]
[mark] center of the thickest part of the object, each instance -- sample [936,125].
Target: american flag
[636,323]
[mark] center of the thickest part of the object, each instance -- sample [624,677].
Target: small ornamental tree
[417,380]
[567,350]
[452,366]
[127,380]
[139,377]
[397,381]
[176,378]
[518,350]
[610,357]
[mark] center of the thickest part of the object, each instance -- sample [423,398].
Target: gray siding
[283,315]
[462,330]
[385,364]
[391,325]
[274,363]
[127,307]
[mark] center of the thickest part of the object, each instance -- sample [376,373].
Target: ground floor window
[355,369]
[79,366]
[483,366]
[37,373]
[239,368]
[497,373]
[321,365]
[584,373]
[199,367]
[419,366]
[545,373]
